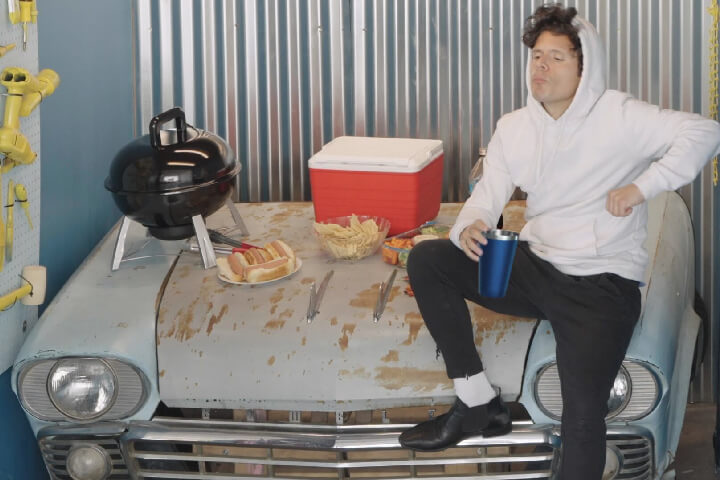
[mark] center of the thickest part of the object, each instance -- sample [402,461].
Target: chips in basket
[352,237]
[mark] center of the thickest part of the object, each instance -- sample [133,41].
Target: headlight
[47,388]
[619,393]
[634,393]
[82,388]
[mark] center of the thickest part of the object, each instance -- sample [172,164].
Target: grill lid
[171,160]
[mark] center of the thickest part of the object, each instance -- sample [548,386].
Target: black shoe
[459,422]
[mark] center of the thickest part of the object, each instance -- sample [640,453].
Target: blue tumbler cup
[495,264]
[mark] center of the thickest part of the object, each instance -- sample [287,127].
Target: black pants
[593,318]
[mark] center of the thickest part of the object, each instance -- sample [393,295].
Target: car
[160,369]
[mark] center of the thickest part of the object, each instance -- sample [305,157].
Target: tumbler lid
[501,235]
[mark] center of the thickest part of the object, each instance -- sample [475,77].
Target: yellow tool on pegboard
[25,92]
[714,11]
[24,11]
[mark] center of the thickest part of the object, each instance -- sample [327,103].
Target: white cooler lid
[376,154]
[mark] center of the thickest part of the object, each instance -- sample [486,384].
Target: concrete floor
[695,458]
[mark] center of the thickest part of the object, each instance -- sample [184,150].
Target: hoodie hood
[592,82]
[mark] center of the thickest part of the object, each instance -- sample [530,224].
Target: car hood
[221,345]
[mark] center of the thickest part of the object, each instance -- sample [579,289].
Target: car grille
[190,449]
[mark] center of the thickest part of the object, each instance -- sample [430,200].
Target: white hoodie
[606,139]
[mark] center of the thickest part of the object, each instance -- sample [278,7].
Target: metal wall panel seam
[209,55]
[400,85]
[422,69]
[337,72]
[665,57]
[316,80]
[252,81]
[229,14]
[360,67]
[145,91]
[295,153]
[379,77]
[187,60]
[166,54]
[464,100]
[273,177]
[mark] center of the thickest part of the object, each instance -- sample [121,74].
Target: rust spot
[162,372]
[368,298]
[122,325]
[333,321]
[307,280]
[395,378]
[274,324]
[304,341]
[488,323]
[184,271]
[271,360]
[343,341]
[216,319]
[277,296]
[358,372]
[392,356]
[415,323]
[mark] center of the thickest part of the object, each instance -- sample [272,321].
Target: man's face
[554,72]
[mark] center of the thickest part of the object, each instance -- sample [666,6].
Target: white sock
[474,390]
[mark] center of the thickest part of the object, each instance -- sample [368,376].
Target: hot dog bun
[255,265]
[279,249]
[226,271]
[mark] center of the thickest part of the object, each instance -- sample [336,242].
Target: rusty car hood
[221,345]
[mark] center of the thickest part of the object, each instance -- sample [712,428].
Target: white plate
[298,264]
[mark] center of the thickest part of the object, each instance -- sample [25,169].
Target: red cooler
[396,178]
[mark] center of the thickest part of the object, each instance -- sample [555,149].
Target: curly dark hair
[556,19]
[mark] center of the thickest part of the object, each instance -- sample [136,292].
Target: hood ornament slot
[316,296]
[383,295]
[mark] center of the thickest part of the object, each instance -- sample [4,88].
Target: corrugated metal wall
[280,78]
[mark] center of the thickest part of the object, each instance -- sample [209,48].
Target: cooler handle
[435,151]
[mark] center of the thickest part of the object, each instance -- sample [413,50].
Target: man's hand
[621,200]
[470,237]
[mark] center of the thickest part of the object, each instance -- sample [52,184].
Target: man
[588,159]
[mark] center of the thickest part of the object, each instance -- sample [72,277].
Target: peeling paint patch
[271,360]
[368,298]
[348,328]
[358,372]
[392,356]
[333,321]
[274,325]
[277,296]
[307,280]
[162,372]
[395,378]
[415,322]
[487,323]
[216,319]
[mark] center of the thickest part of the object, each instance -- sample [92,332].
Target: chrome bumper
[190,449]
